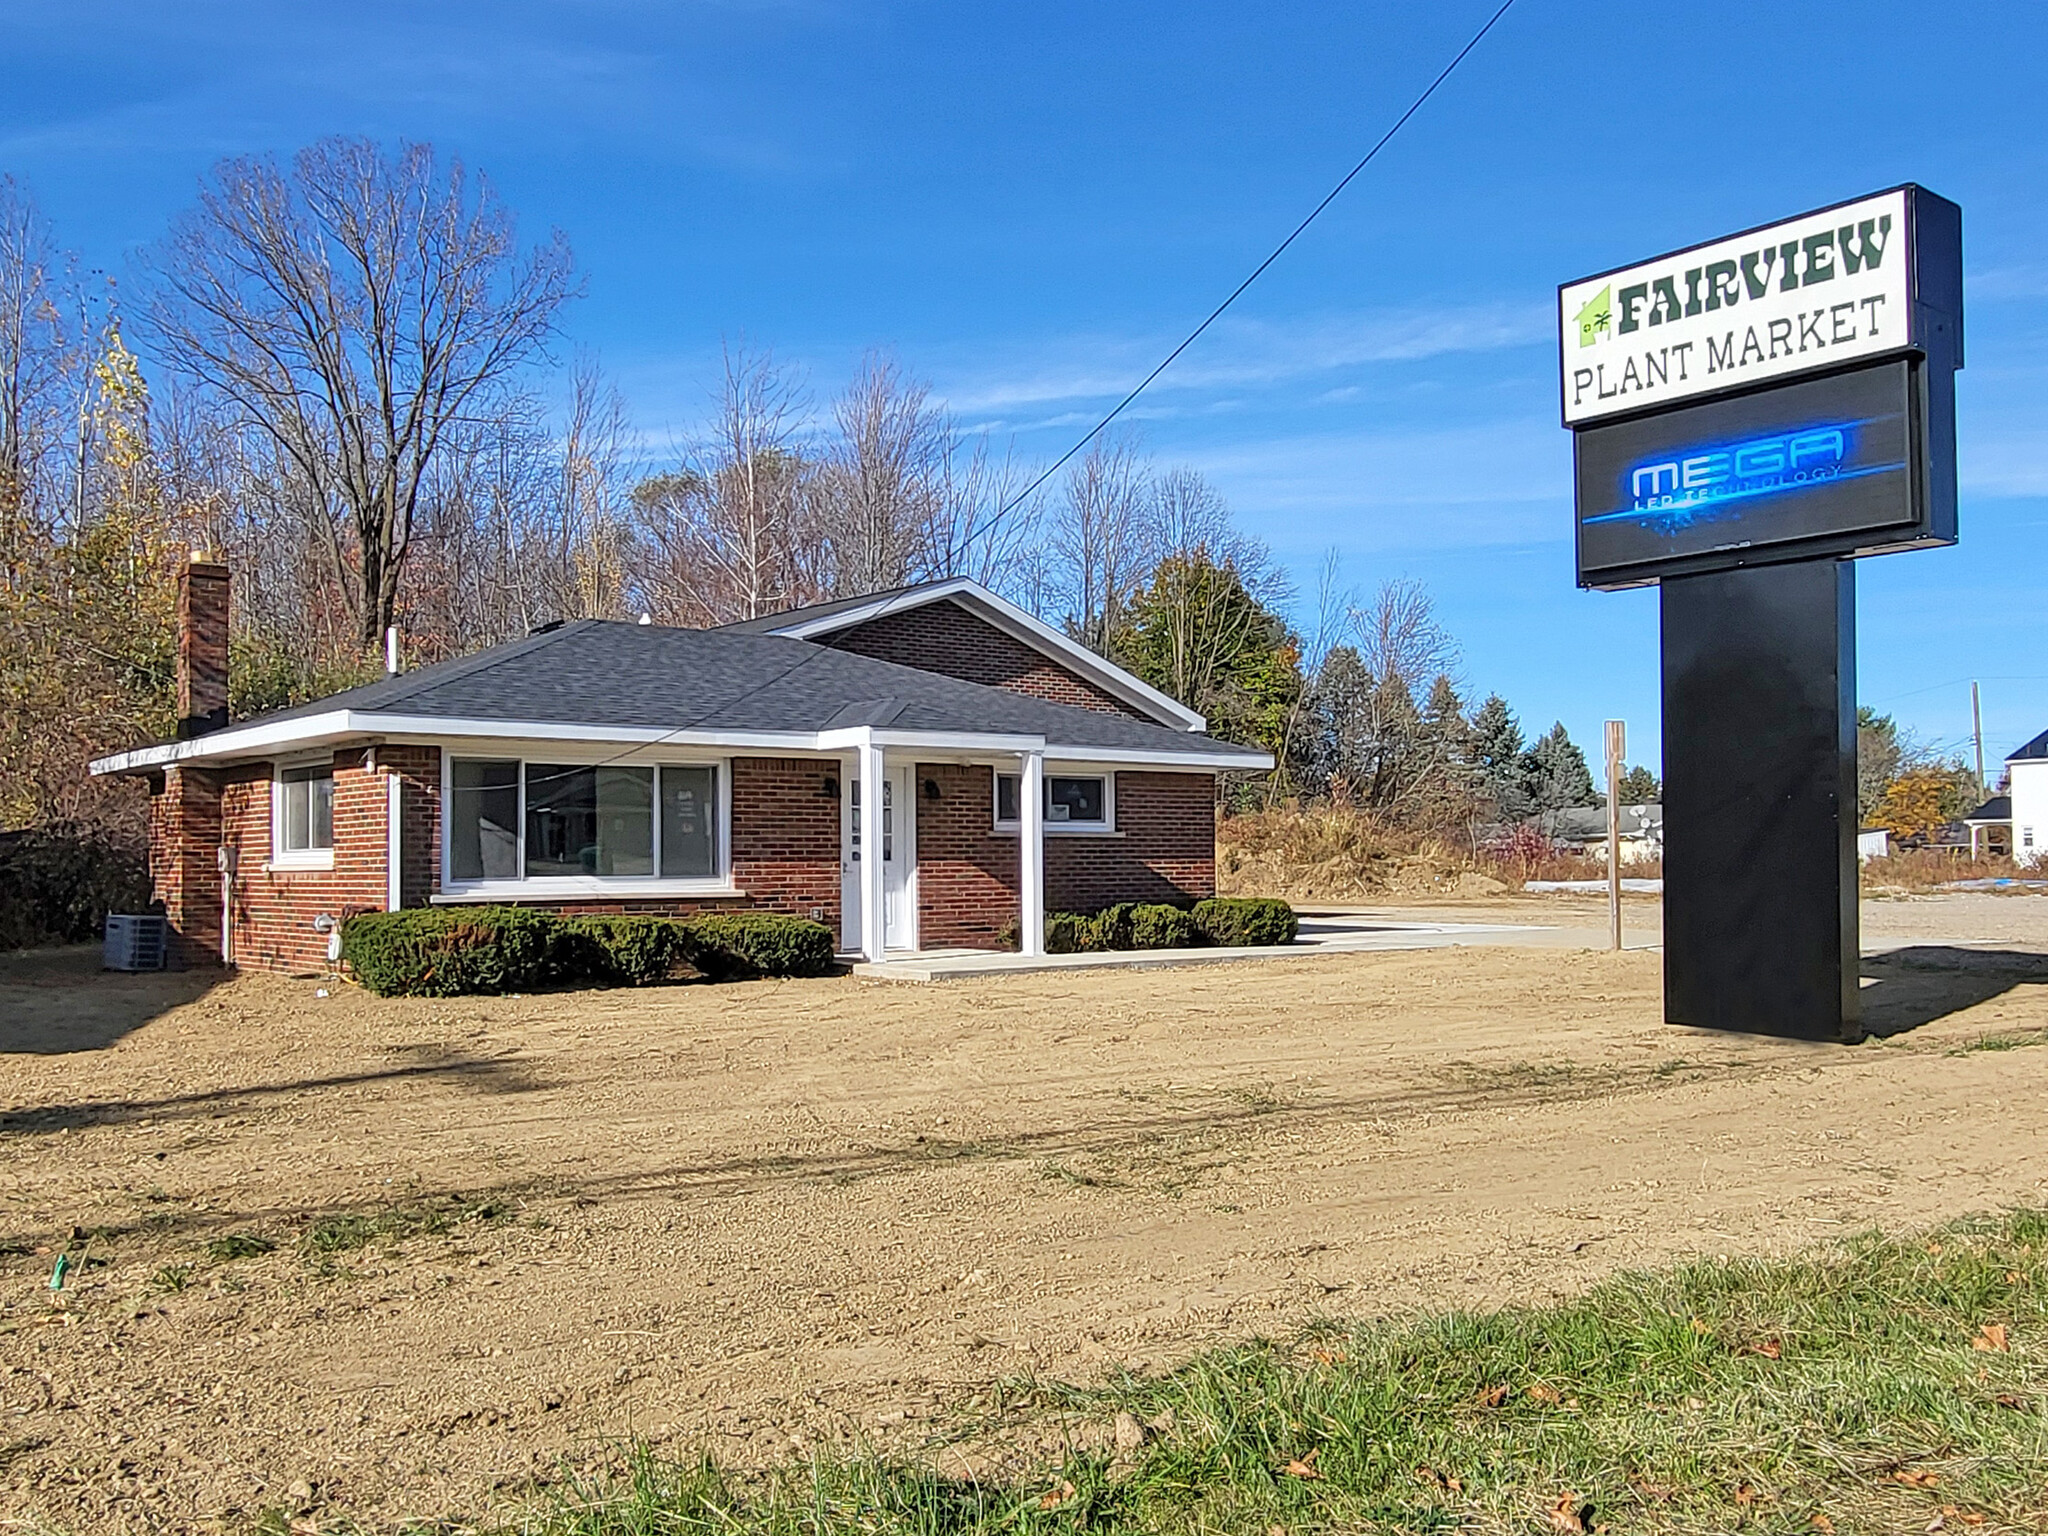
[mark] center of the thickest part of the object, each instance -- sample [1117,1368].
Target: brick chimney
[202,647]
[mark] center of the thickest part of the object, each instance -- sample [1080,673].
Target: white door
[899,861]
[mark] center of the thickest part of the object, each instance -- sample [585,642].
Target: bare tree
[42,359]
[880,490]
[1103,535]
[355,310]
[726,535]
[1400,638]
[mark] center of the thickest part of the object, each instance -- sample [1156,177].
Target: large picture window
[515,821]
[1073,802]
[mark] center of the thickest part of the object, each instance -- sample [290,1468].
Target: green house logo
[1597,317]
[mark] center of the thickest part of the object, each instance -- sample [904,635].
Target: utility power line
[1259,271]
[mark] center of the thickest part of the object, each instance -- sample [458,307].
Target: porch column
[1031,855]
[874,923]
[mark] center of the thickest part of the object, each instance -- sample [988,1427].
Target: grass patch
[1878,1386]
[2011,1042]
[348,1231]
[237,1245]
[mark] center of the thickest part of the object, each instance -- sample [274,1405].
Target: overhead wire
[1274,255]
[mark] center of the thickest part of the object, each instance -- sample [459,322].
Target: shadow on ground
[55,1001]
[1925,982]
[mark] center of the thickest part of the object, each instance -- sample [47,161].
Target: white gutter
[336,726]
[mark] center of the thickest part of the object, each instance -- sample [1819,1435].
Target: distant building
[1583,829]
[1872,843]
[2017,821]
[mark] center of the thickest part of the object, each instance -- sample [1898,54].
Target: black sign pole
[1760,920]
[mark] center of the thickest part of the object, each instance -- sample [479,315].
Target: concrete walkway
[1322,933]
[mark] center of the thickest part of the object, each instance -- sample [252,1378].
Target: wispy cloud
[1240,355]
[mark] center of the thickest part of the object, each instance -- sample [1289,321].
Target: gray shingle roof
[599,673]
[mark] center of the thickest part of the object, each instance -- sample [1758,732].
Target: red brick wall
[419,819]
[1167,851]
[184,831]
[274,908]
[966,873]
[944,637]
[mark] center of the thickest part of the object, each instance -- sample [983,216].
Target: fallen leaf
[1055,1497]
[1970,1517]
[1544,1393]
[2012,1277]
[1700,1327]
[2011,1400]
[1990,1337]
[1935,1249]
[1304,1467]
[1438,1479]
[1330,1356]
[1564,1514]
[1914,1479]
[1768,1348]
[1493,1397]
[1823,1523]
[1744,1495]
[1276,1530]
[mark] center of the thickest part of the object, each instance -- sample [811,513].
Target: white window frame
[1104,828]
[561,887]
[282,857]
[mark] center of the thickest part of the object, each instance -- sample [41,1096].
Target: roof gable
[827,623]
[2038,747]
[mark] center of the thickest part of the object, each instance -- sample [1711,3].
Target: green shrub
[1068,933]
[619,951]
[453,951]
[1235,921]
[1111,927]
[727,946]
[1154,925]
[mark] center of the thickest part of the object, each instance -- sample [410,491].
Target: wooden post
[1617,746]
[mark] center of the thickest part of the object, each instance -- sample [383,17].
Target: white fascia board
[1019,625]
[262,740]
[232,742]
[1120,757]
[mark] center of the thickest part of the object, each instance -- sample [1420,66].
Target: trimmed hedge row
[456,951]
[1228,921]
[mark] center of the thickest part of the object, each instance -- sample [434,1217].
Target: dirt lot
[753,1215]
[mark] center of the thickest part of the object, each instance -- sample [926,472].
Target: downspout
[226,858]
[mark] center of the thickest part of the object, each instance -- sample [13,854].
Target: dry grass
[1339,853]
[1928,869]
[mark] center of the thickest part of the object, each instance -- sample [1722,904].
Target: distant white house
[1872,843]
[2028,769]
[1583,829]
[2021,813]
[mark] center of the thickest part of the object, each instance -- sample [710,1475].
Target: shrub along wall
[452,951]
[1230,921]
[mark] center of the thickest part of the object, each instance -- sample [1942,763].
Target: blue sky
[1030,203]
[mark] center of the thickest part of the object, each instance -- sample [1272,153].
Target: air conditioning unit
[135,942]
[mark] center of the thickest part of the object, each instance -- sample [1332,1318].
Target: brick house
[608,767]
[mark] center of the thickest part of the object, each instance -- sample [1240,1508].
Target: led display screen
[1828,465]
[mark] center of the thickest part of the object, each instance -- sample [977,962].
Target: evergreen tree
[1639,786]
[1557,774]
[1196,633]
[1498,762]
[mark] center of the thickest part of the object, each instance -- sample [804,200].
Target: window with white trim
[304,820]
[1073,802]
[509,819]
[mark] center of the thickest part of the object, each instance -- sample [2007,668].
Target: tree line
[343,374]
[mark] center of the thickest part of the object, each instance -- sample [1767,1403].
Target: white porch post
[1031,855]
[874,921]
